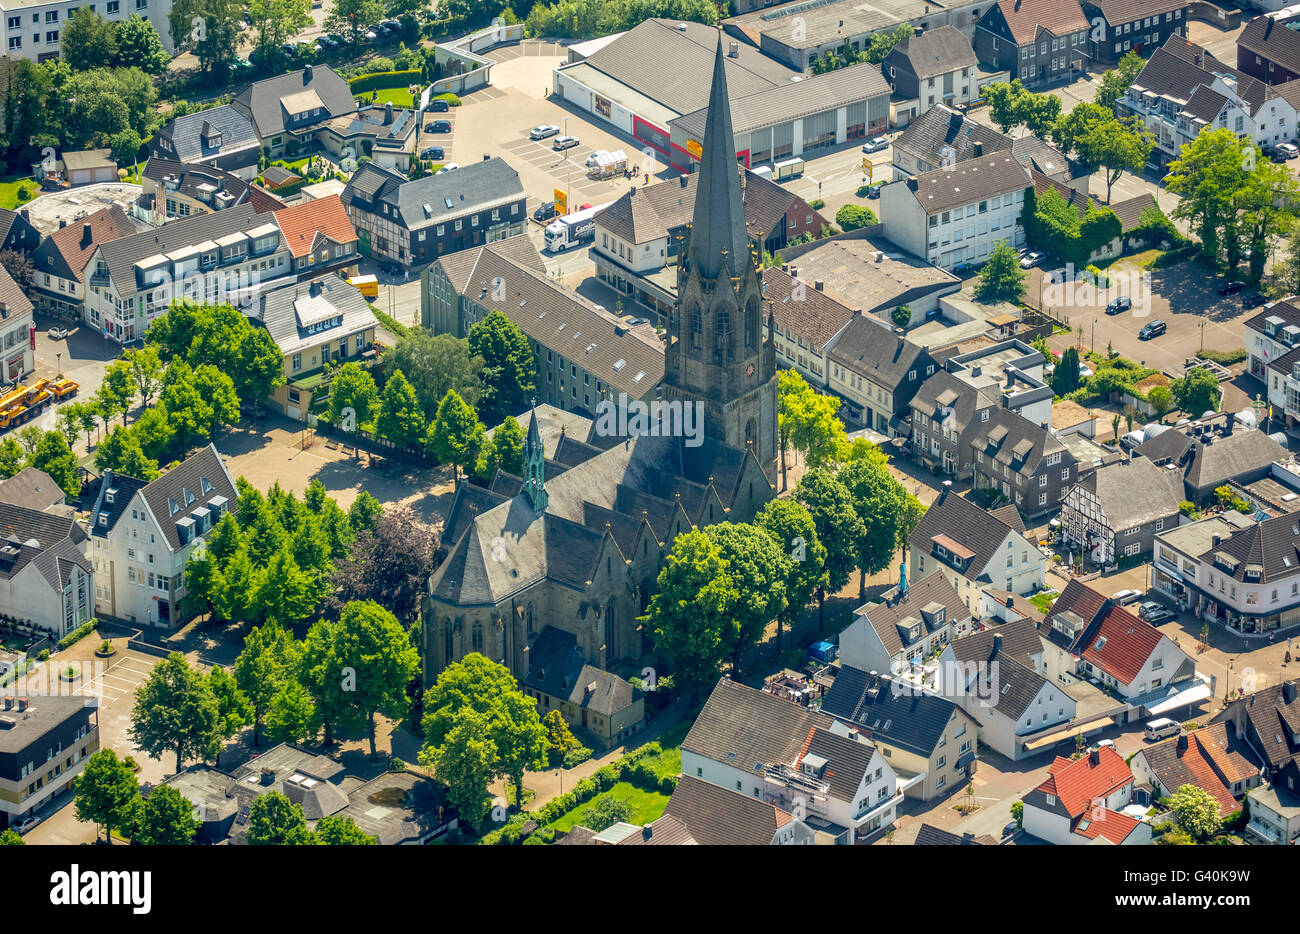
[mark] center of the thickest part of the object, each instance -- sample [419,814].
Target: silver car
[543,131]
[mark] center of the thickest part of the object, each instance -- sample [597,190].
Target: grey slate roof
[12,298]
[885,617]
[288,313]
[21,526]
[966,524]
[424,201]
[264,101]
[935,52]
[398,807]
[1135,493]
[31,488]
[847,761]
[973,180]
[1272,547]
[1179,67]
[1225,457]
[194,483]
[815,316]
[1273,41]
[715,816]
[186,135]
[1016,681]
[191,179]
[929,835]
[867,348]
[751,729]
[941,127]
[1023,444]
[556,667]
[905,718]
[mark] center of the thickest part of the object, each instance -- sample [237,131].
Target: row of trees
[873,50]
[586,19]
[89,41]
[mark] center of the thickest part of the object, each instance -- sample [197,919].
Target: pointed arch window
[478,636]
[722,344]
[697,327]
[751,324]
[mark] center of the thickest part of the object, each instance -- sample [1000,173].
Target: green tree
[166,819]
[1006,104]
[146,369]
[519,737]
[12,457]
[435,364]
[1076,125]
[464,762]
[293,716]
[839,529]
[1196,812]
[559,738]
[688,617]
[1197,392]
[1118,146]
[124,145]
[1039,113]
[1115,83]
[470,683]
[119,384]
[758,568]
[364,512]
[234,712]
[270,657]
[376,661]
[1065,378]
[605,812]
[1001,279]
[339,830]
[274,820]
[175,711]
[209,29]
[354,17]
[902,315]
[808,420]
[12,838]
[87,40]
[855,217]
[457,434]
[353,388]
[401,418]
[53,456]
[879,500]
[1207,176]
[1161,401]
[508,375]
[106,793]
[791,525]
[278,21]
[139,44]
[287,594]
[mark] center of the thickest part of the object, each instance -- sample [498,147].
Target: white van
[1159,729]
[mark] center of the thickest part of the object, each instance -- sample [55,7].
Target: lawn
[669,762]
[9,199]
[1043,601]
[646,806]
[398,97]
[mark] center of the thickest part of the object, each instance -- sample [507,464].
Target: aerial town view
[649,422]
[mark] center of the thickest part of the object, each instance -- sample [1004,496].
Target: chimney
[683,179]
[1288,692]
[1011,377]
[306,74]
[1095,757]
[1200,56]
[880,256]
[9,703]
[1216,540]
[62,224]
[1182,742]
[997,645]
[977,149]
[733,50]
[85,235]
[388,113]
[917,30]
[1011,601]
[819,285]
[268,775]
[314,288]
[22,704]
[1232,418]
[25,214]
[911,182]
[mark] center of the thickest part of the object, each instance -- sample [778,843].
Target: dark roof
[1013,645]
[44,713]
[973,180]
[1180,66]
[13,300]
[946,398]
[1272,41]
[1034,153]
[1026,17]
[103,514]
[1010,439]
[1125,11]
[433,199]
[803,310]
[929,835]
[1270,548]
[666,831]
[398,807]
[295,316]
[1285,308]
[1213,457]
[848,761]
[889,713]
[941,128]
[934,52]
[66,252]
[1273,713]
[189,486]
[556,667]
[31,488]
[751,729]
[194,180]
[1135,492]
[17,232]
[871,349]
[956,517]
[1128,212]
[714,816]
[33,535]
[886,617]
[187,135]
[269,101]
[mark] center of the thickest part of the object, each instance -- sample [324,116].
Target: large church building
[577,542]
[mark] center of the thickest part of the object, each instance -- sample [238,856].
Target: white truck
[572,229]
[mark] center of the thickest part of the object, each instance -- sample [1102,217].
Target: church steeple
[718,222]
[535,466]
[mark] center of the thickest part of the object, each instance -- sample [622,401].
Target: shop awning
[1192,695]
[1069,732]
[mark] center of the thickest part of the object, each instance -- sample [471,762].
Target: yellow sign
[695,149]
[867,168]
[561,201]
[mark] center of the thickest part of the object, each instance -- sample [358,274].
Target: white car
[542,131]
[1031,259]
[875,145]
[1084,371]
[449,167]
[1095,747]
[1123,597]
[58,334]
[26,824]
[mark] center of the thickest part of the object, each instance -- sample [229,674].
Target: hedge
[384,80]
[78,634]
[451,99]
[389,322]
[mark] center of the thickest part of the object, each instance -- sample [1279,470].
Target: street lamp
[58,357]
[1094,335]
[1201,325]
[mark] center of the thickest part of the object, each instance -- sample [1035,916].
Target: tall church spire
[718,222]
[535,465]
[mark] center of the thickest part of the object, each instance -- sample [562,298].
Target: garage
[89,167]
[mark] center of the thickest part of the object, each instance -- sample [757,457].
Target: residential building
[289,111]
[709,815]
[17,232]
[941,136]
[1080,802]
[33,27]
[945,411]
[221,137]
[928,740]
[1272,341]
[1268,47]
[60,260]
[319,236]
[754,744]
[929,835]
[1022,461]
[34,489]
[1041,42]
[599,703]
[1266,719]
[44,742]
[144,535]
[317,323]
[385,134]
[910,625]
[996,677]
[937,66]
[415,222]
[87,167]
[1274,810]
[1208,452]
[1089,636]
[955,216]
[1120,508]
[974,548]
[806,321]
[176,189]
[1176,553]
[1213,758]
[1184,89]
[1139,26]
[878,374]
[17,332]
[45,574]
[583,353]
[639,238]
[1008,370]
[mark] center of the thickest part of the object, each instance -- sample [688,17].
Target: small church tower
[535,466]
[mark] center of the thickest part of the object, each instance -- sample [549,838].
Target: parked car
[1253,299]
[1159,729]
[1154,612]
[26,824]
[1152,329]
[545,212]
[1119,305]
[564,142]
[58,333]
[326,43]
[432,152]
[876,144]
[1095,747]
[1031,259]
[1127,596]
[449,167]
[1287,150]
[542,131]
[439,106]
[874,191]
[438,126]
[1231,286]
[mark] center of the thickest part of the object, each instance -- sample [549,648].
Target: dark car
[874,190]
[438,106]
[1253,299]
[545,212]
[1152,329]
[432,152]
[438,126]
[1154,613]
[1231,286]
[326,43]
[1119,305]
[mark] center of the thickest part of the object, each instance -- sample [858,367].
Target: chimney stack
[819,285]
[22,704]
[1182,742]
[683,179]
[9,703]
[977,149]
[1095,757]
[388,113]
[306,74]
[911,182]
[268,775]
[1288,692]
[733,50]
[85,235]
[997,645]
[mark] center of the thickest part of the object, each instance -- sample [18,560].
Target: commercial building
[32,28]
[60,261]
[1041,42]
[44,743]
[936,66]
[1119,509]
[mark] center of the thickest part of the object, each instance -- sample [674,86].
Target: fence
[471,70]
[1214,15]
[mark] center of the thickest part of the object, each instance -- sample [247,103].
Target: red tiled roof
[1111,825]
[1076,784]
[1025,17]
[1196,759]
[1122,645]
[301,222]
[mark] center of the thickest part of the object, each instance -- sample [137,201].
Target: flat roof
[849,270]
[620,93]
[1196,538]
[827,20]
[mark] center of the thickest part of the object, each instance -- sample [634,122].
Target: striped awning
[1069,732]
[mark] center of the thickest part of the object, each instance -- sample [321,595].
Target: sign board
[561,202]
[867,167]
[695,149]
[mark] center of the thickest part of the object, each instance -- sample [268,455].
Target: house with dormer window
[1080,802]
[143,535]
[911,624]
